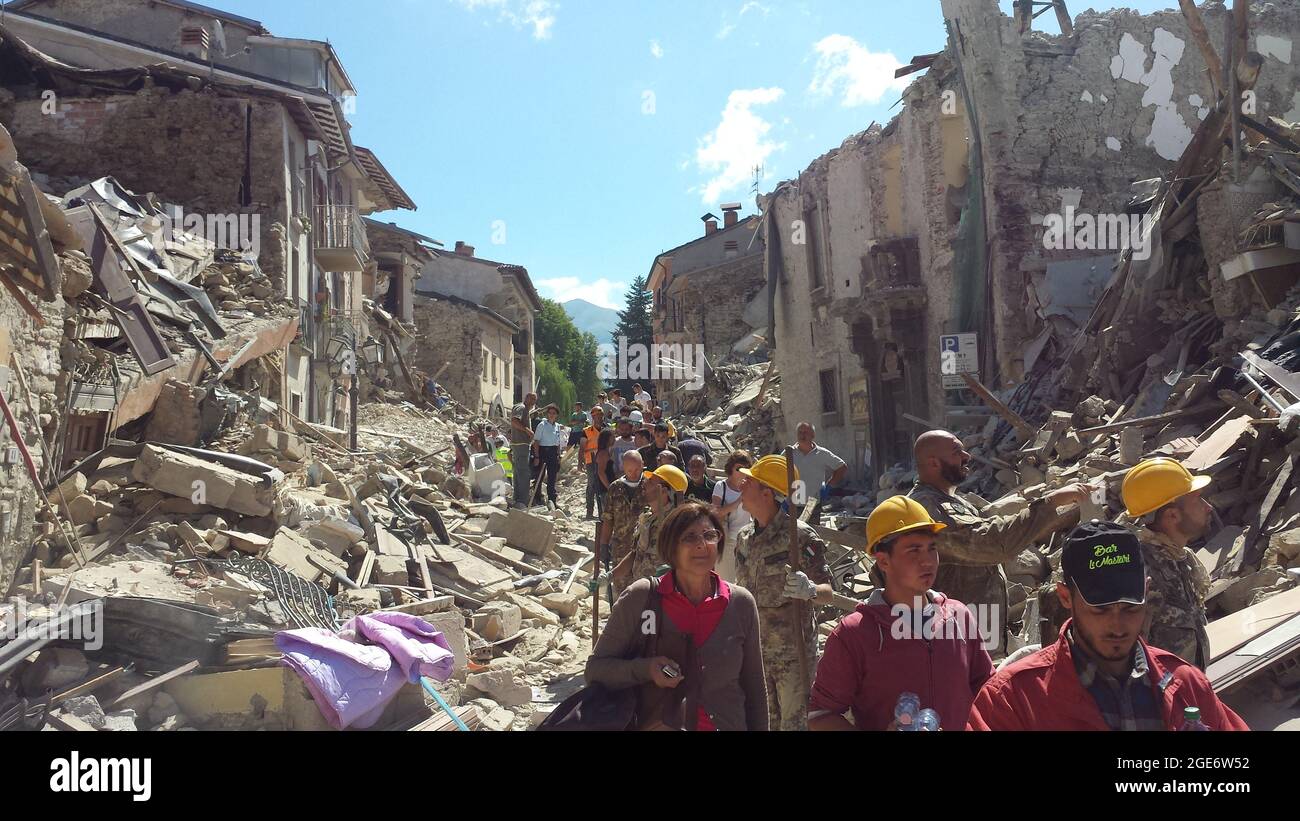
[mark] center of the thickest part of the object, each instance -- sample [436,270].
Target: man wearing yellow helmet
[906,638]
[661,487]
[763,568]
[1167,500]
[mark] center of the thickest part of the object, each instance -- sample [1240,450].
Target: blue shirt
[548,434]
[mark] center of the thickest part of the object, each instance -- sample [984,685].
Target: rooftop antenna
[758,178]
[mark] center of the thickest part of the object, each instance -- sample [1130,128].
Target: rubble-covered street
[257,460]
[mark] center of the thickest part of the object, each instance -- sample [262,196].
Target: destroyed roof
[24,5]
[392,226]
[393,195]
[756,248]
[465,303]
[317,114]
[518,272]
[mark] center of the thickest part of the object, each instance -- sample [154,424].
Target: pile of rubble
[744,403]
[279,530]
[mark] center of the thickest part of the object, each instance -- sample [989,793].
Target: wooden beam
[1010,416]
[1153,420]
[1196,26]
[154,683]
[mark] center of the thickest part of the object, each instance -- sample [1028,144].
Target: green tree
[570,352]
[633,323]
[553,386]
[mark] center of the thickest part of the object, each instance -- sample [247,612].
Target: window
[509,368]
[485,364]
[812,220]
[295,403]
[496,367]
[830,391]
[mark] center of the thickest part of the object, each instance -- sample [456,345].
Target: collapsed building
[930,230]
[706,307]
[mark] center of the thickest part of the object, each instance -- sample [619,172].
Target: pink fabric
[352,675]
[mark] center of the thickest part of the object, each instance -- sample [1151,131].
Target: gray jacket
[726,679]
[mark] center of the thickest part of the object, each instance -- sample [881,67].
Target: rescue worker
[624,502]
[763,568]
[590,445]
[972,546]
[1161,493]
[885,647]
[1100,674]
[662,485]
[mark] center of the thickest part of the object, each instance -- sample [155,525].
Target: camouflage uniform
[972,549]
[1176,602]
[623,504]
[761,558]
[645,543]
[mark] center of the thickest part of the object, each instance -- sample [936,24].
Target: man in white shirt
[639,395]
[548,438]
[816,465]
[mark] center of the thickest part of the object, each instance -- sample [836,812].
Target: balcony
[339,239]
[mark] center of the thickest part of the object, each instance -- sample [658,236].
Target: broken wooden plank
[1219,443]
[155,682]
[67,721]
[1281,377]
[1011,417]
[87,687]
[1159,418]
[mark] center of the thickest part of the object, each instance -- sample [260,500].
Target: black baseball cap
[1103,561]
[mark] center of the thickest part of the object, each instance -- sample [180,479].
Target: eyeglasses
[709,536]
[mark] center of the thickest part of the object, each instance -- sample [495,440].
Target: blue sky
[593,135]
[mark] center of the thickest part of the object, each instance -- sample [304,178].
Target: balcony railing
[339,238]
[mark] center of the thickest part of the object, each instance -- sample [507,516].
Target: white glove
[799,586]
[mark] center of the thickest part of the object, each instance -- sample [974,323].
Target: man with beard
[973,547]
[1100,674]
[1162,491]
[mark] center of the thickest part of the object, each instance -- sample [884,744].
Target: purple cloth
[353,674]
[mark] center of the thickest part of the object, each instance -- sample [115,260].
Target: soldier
[624,502]
[973,547]
[661,488]
[763,568]
[1162,491]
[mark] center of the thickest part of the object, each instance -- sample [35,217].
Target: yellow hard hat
[897,515]
[671,475]
[771,471]
[1154,483]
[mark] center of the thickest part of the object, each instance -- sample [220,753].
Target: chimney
[710,224]
[730,214]
[463,250]
[195,42]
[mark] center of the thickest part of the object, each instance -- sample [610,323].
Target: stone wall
[207,153]
[447,332]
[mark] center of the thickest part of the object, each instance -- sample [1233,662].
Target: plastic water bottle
[927,721]
[906,710]
[1192,721]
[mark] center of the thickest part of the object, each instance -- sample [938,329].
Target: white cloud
[740,142]
[752,5]
[725,31]
[849,69]
[656,50]
[601,292]
[539,14]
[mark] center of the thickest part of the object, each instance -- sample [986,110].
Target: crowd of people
[735,574]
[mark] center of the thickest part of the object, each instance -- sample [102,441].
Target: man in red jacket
[1100,674]
[905,638]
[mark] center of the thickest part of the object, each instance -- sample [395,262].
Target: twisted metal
[305,603]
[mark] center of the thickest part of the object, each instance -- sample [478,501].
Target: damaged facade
[474,320]
[706,307]
[934,224]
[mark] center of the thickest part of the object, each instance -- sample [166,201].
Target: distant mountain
[593,319]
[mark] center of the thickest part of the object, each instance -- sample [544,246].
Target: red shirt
[1043,692]
[697,620]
